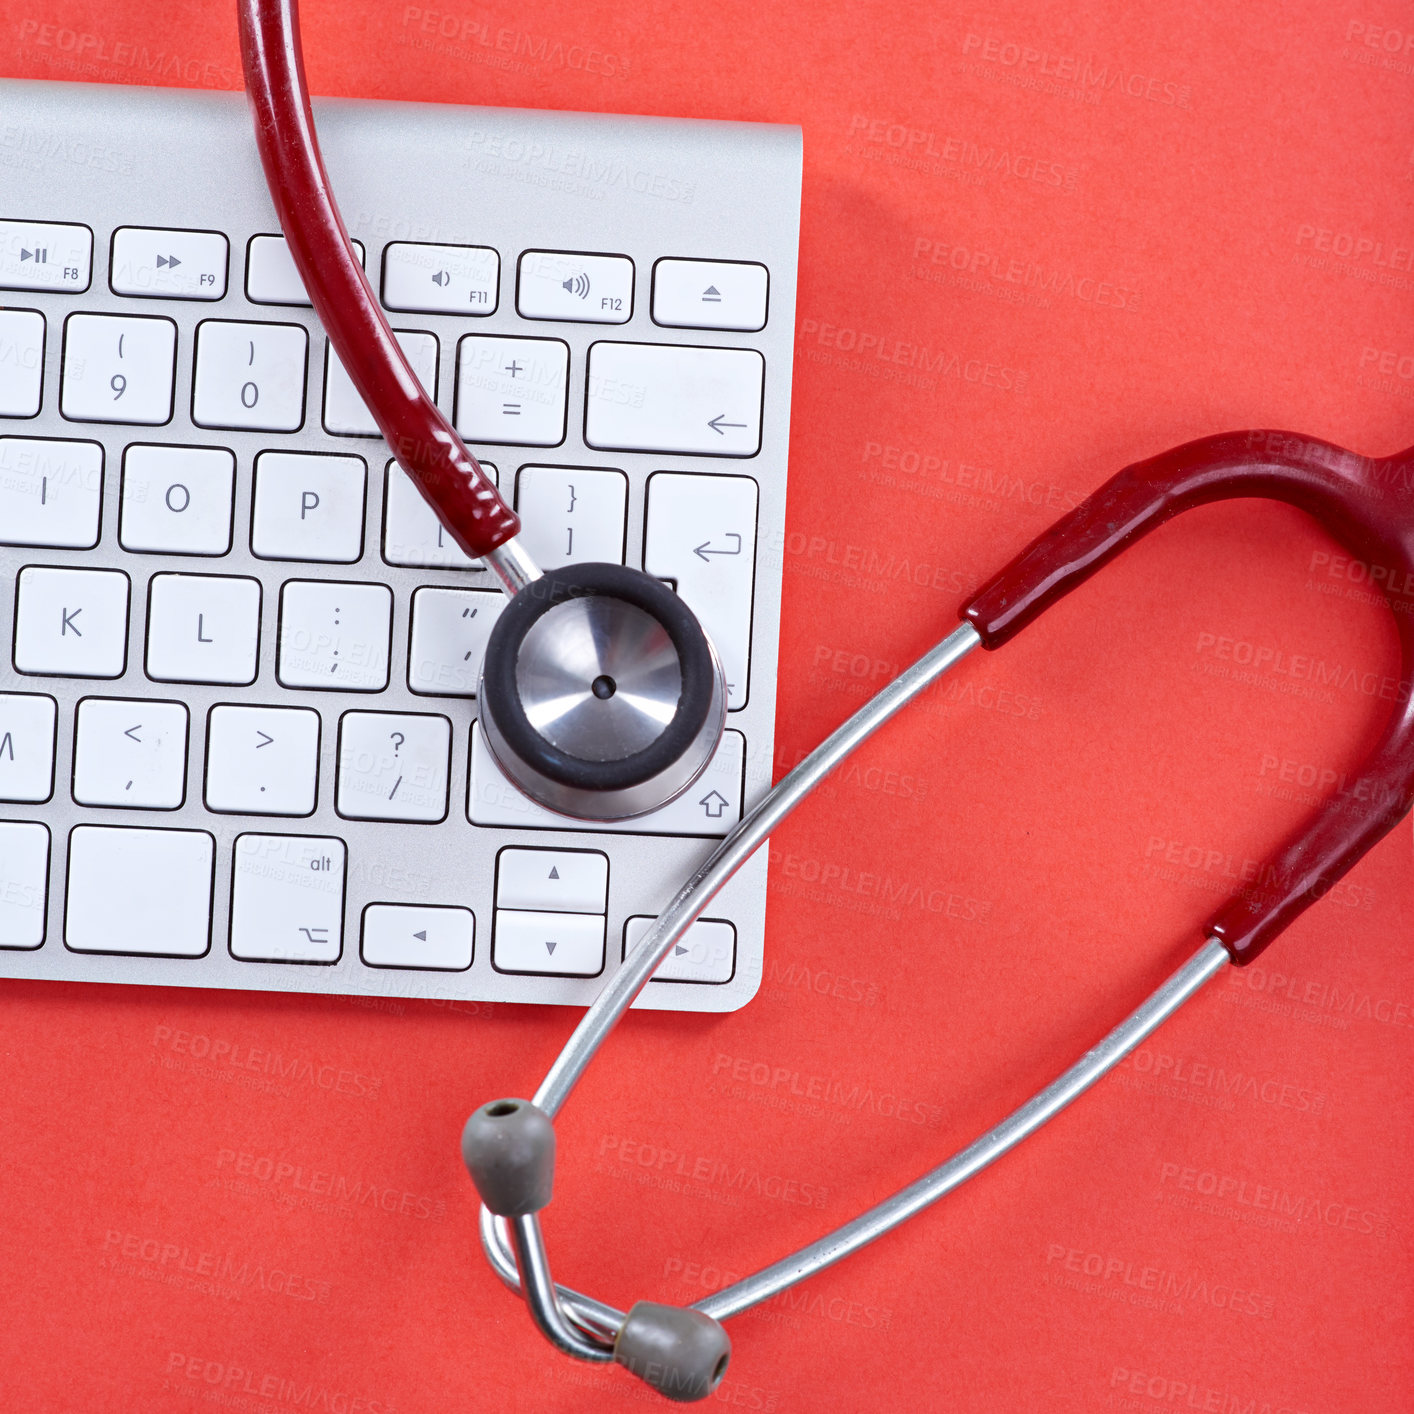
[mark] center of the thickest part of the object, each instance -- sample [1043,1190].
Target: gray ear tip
[681,1353]
[508,1147]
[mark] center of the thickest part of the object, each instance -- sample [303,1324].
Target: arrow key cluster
[550,912]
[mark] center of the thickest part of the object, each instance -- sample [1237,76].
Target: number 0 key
[250,376]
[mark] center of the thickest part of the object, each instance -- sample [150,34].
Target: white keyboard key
[177,500]
[570,514]
[130,753]
[118,368]
[393,766]
[43,255]
[26,746]
[287,904]
[664,398]
[559,943]
[512,390]
[262,760]
[449,632]
[21,361]
[441,279]
[249,376]
[711,807]
[50,492]
[560,284]
[334,635]
[705,953]
[412,534]
[168,264]
[425,936]
[203,628]
[24,883]
[345,413]
[139,891]
[701,532]
[73,623]
[308,506]
[710,294]
[270,274]
[553,880]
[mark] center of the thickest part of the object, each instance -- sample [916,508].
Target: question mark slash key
[394,766]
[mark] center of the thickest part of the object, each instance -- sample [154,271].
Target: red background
[1073,810]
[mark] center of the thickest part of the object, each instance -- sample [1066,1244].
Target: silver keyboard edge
[494,177]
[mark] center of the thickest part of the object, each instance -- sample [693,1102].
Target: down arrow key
[569,944]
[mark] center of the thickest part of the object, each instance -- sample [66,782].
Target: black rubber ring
[502,696]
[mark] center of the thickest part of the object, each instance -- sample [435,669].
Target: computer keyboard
[237,740]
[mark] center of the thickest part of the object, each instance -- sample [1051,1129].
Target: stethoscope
[602,698]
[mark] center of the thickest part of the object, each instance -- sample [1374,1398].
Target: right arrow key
[705,953]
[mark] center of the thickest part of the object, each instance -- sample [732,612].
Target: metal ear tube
[1359,500]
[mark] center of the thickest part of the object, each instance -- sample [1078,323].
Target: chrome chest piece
[600,697]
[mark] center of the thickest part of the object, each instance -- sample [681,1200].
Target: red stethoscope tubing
[424,443]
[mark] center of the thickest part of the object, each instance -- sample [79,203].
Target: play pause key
[425,937]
